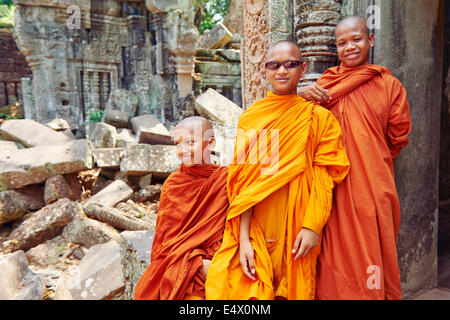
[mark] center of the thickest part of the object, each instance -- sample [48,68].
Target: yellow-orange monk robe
[359,254]
[289,186]
[189,228]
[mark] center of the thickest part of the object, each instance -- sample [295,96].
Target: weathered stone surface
[104,136]
[31,133]
[111,195]
[217,37]
[123,100]
[43,225]
[46,253]
[6,147]
[15,275]
[58,124]
[124,137]
[135,251]
[89,232]
[56,187]
[213,106]
[116,118]
[149,193]
[99,275]
[35,165]
[150,130]
[15,203]
[142,159]
[225,140]
[108,157]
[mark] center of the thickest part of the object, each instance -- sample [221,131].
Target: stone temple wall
[79,51]
[12,68]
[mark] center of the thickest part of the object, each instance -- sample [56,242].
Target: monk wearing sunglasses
[274,223]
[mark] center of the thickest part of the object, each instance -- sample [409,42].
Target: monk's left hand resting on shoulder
[305,241]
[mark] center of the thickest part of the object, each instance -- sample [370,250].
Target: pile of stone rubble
[77,216]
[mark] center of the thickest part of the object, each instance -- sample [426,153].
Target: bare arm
[246,253]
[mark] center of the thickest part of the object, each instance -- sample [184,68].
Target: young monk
[281,198]
[191,219]
[359,255]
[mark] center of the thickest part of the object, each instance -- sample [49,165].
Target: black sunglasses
[290,64]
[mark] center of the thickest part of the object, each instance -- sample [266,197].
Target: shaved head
[285,44]
[197,123]
[353,21]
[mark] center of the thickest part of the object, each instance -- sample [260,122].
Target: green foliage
[7,15]
[96,116]
[7,2]
[210,12]
[5,116]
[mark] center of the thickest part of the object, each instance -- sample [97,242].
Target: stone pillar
[315,24]
[29,109]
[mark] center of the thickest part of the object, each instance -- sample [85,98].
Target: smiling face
[353,42]
[284,80]
[194,140]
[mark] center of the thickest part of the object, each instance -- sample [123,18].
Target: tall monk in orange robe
[288,157]
[359,254]
[191,219]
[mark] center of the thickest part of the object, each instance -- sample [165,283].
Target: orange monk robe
[286,195]
[189,228]
[359,245]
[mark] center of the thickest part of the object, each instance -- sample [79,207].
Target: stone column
[29,109]
[315,23]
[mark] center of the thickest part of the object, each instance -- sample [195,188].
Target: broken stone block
[6,147]
[58,124]
[99,275]
[214,106]
[111,195]
[15,203]
[149,193]
[150,130]
[225,141]
[89,232]
[56,187]
[108,157]
[116,118]
[35,165]
[124,137]
[135,252]
[42,225]
[218,37]
[142,159]
[15,274]
[31,133]
[47,253]
[123,100]
[105,136]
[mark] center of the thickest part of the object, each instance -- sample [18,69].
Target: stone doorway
[444,176]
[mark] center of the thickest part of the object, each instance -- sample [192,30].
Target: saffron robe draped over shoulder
[359,255]
[189,228]
[288,156]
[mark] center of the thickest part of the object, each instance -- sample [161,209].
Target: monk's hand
[205,268]
[305,241]
[314,92]
[246,259]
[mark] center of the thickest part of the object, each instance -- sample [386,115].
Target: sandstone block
[111,195]
[214,106]
[216,38]
[105,136]
[56,187]
[99,275]
[150,130]
[14,274]
[142,159]
[116,118]
[35,165]
[108,157]
[135,251]
[15,203]
[31,133]
[124,137]
[123,100]
[42,225]
[89,232]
